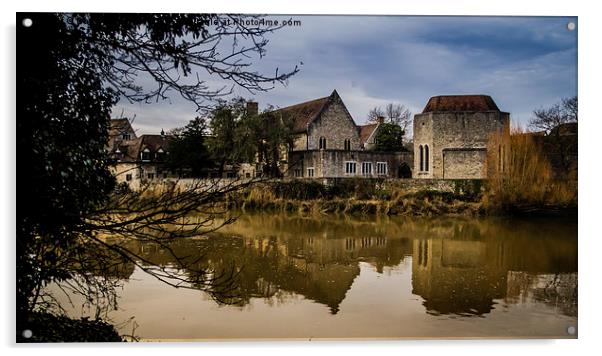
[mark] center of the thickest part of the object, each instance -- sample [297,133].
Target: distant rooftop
[450,103]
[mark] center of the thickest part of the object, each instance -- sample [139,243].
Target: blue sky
[524,63]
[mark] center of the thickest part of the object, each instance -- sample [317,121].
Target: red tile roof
[446,103]
[366,131]
[305,113]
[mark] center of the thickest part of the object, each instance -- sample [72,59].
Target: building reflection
[459,267]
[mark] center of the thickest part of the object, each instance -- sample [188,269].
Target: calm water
[336,277]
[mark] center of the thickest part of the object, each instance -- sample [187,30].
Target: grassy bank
[355,197]
[364,197]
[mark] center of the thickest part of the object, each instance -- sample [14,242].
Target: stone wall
[455,130]
[336,125]
[464,163]
[300,142]
[332,163]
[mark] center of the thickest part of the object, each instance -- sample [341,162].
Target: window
[381,168]
[146,155]
[310,172]
[126,137]
[160,155]
[322,143]
[128,177]
[421,158]
[426,158]
[367,168]
[297,172]
[150,175]
[350,167]
[347,145]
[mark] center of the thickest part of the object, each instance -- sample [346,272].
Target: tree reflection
[461,267]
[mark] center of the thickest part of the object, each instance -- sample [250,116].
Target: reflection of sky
[522,62]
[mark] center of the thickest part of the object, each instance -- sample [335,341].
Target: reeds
[520,176]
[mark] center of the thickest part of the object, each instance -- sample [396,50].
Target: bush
[51,328]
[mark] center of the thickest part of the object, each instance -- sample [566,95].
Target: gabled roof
[366,131]
[154,142]
[304,114]
[131,149]
[450,103]
[119,126]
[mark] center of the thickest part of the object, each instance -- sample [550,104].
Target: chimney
[252,108]
[380,119]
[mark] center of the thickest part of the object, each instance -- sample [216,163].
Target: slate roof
[450,103]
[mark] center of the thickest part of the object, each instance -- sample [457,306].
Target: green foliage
[237,137]
[223,124]
[188,152]
[389,138]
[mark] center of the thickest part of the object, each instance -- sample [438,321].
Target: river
[337,277]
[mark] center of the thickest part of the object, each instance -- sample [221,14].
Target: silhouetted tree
[392,113]
[188,154]
[72,69]
[559,148]
[547,119]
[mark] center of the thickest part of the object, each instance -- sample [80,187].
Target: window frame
[364,165]
[145,155]
[348,165]
[379,171]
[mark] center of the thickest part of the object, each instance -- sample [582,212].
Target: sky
[523,63]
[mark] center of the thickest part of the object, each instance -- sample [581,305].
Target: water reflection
[459,267]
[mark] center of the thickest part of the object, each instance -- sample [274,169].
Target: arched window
[322,143]
[426,158]
[348,145]
[421,158]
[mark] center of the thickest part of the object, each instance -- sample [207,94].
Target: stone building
[136,159]
[329,144]
[451,135]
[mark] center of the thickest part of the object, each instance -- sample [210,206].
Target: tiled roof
[305,113]
[366,131]
[447,103]
[119,126]
[131,149]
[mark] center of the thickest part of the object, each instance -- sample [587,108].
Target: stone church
[451,135]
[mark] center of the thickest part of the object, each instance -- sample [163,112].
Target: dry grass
[520,176]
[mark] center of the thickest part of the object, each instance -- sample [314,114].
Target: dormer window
[160,155]
[146,155]
[347,145]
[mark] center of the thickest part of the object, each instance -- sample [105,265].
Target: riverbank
[379,197]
